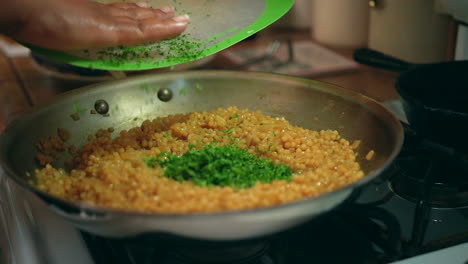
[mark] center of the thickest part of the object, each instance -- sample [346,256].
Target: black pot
[434,96]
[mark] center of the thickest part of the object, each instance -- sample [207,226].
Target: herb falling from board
[181,48]
[220,166]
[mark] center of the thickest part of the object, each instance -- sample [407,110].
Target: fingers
[141,4]
[134,23]
[77,25]
[152,29]
[140,13]
[125,31]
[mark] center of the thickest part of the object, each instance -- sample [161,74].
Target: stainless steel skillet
[307,103]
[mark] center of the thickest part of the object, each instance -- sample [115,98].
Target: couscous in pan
[87,153]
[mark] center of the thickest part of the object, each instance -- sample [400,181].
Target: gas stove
[416,212]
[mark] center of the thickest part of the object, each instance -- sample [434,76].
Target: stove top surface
[408,215]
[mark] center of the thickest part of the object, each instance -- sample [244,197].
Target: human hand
[82,24]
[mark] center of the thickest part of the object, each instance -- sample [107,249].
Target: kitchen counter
[23,84]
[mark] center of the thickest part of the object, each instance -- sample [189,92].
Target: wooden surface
[375,83]
[23,83]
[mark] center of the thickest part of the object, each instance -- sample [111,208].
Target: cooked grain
[111,173]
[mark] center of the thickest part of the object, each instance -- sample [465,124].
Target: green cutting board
[214,26]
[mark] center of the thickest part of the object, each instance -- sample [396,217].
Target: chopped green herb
[220,166]
[270,145]
[77,108]
[216,36]
[261,124]
[233,116]
[150,161]
[229,131]
[274,134]
[144,87]
[198,87]
[183,91]
[176,50]
[166,135]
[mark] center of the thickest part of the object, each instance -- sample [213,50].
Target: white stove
[30,233]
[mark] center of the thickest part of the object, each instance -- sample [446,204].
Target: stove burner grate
[422,164]
[167,250]
[251,254]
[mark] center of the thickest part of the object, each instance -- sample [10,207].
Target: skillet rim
[97,211]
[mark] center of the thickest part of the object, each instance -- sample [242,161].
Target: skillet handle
[377,59]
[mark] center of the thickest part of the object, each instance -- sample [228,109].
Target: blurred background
[419,31]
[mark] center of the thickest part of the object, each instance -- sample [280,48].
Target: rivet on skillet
[101,106]
[165,94]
